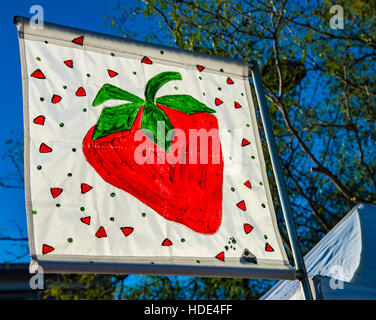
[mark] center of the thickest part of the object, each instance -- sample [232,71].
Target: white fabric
[54,225]
[345,254]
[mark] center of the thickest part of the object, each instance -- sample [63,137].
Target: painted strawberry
[179,189]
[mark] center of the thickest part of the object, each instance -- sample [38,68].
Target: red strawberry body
[187,193]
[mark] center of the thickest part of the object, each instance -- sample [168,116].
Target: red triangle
[200,68]
[38,74]
[112,73]
[86,220]
[85,188]
[55,98]
[248,184]
[79,40]
[247,228]
[241,205]
[218,101]
[268,248]
[146,60]
[44,148]
[221,256]
[80,92]
[101,233]
[56,192]
[229,81]
[237,105]
[127,230]
[245,142]
[166,243]
[39,120]
[69,63]
[46,248]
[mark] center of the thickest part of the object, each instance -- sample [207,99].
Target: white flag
[142,159]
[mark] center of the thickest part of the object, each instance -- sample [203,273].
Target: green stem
[149,106]
[155,83]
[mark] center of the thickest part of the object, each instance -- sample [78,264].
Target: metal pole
[301,273]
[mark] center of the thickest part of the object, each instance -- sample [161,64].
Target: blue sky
[88,15]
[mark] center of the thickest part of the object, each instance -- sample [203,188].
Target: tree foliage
[81,287]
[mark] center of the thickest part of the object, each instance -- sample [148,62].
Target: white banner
[142,159]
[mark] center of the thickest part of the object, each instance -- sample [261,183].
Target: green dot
[70,240]
[253,157]
[230,158]
[58,205]
[263,205]
[84,109]
[113,194]
[198,261]
[200,77]
[232,189]
[113,54]
[37,58]
[226,247]
[134,72]
[112,219]
[219,88]
[248,125]
[182,240]
[64,87]
[233,241]
[242,94]
[144,214]
[82,209]
[228,130]
[61,124]
[176,88]
[204,93]
[88,75]
[161,52]
[74,149]
[34,212]
[260,183]
[69,174]
[221,70]
[41,99]
[265,236]
[39,167]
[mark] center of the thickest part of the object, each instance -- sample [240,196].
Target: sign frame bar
[301,272]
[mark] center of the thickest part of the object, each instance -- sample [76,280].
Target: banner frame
[301,272]
[286,272]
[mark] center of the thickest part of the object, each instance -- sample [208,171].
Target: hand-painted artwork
[177,191]
[93,116]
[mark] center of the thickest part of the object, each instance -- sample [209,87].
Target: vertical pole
[301,273]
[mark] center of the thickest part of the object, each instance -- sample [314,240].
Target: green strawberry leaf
[110,92]
[155,123]
[115,119]
[156,126]
[184,103]
[155,83]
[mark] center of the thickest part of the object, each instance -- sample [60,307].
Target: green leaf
[154,120]
[115,119]
[184,103]
[155,83]
[110,92]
